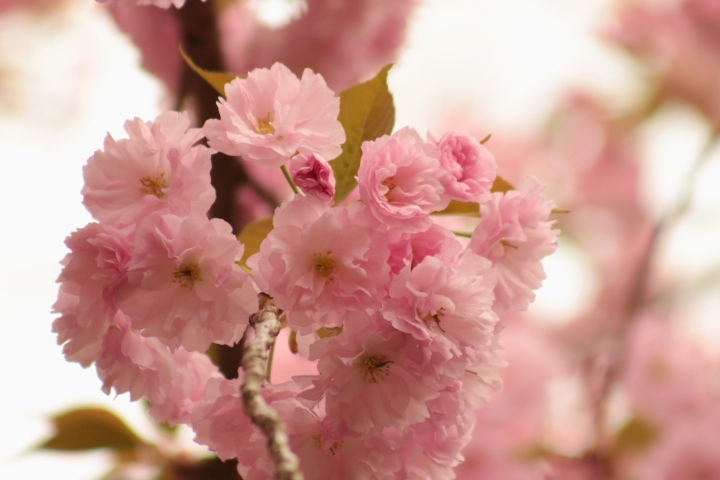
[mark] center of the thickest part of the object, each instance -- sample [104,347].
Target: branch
[254,362]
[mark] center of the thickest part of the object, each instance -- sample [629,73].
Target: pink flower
[471,168]
[272,115]
[399,180]
[94,271]
[318,263]
[312,174]
[156,170]
[370,381]
[173,382]
[184,286]
[411,248]
[445,302]
[515,235]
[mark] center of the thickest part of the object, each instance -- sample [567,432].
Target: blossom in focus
[313,175]
[471,168]
[271,115]
[184,286]
[173,382]
[399,180]
[158,169]
[515,234]
[319,262]
[93,273]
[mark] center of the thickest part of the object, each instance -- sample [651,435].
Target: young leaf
[635,436]
[501,185]
[456,207]
[253,235]
[90,428]
[366,113]
[217,80]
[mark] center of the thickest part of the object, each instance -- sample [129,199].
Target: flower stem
[289,179]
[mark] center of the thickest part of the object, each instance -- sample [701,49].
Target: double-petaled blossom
[158,169]
[399,180]
[445,302]
[319,262]
[313,175]
[93,273]
[470,167]
[369,377]
[173,382]
[184,286]
[271,115]
[515,234]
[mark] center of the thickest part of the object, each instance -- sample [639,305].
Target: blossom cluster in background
[401,317]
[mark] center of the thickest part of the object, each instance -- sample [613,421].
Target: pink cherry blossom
[156,170]
[173,382]
[411,248]
[272,115]
[371,382]
[313,175]
[435,300]
[184,286]
[471,168]
[318,263]
[399,180]
[515,234]
[93,272]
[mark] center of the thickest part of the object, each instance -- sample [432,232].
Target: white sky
[505,61]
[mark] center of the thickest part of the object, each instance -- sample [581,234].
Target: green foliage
[217,80]
[472,209]
[367,112]
[252,236]
[91,428]
[634,437]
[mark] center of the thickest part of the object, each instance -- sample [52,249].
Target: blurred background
[614,372]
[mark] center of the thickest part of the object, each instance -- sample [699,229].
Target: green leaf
[90,428]
[501,185]
[366,113]
[253,235]
[461,208]
[217,80]
[635,436]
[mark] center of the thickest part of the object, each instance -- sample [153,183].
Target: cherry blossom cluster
[401,316]
[149,286]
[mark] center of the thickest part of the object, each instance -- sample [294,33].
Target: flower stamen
[188,275]
[264,127]
[374,368]
[324,264]
[154,186]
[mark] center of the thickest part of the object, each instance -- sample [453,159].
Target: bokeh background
[551,80]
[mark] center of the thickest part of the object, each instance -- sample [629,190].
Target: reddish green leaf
[217,80]
[90,428]
[366,113]
[253,235]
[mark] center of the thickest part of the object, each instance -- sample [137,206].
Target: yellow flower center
[324,264]
[264,127]
[154,186]
[188,274]
[373,368]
